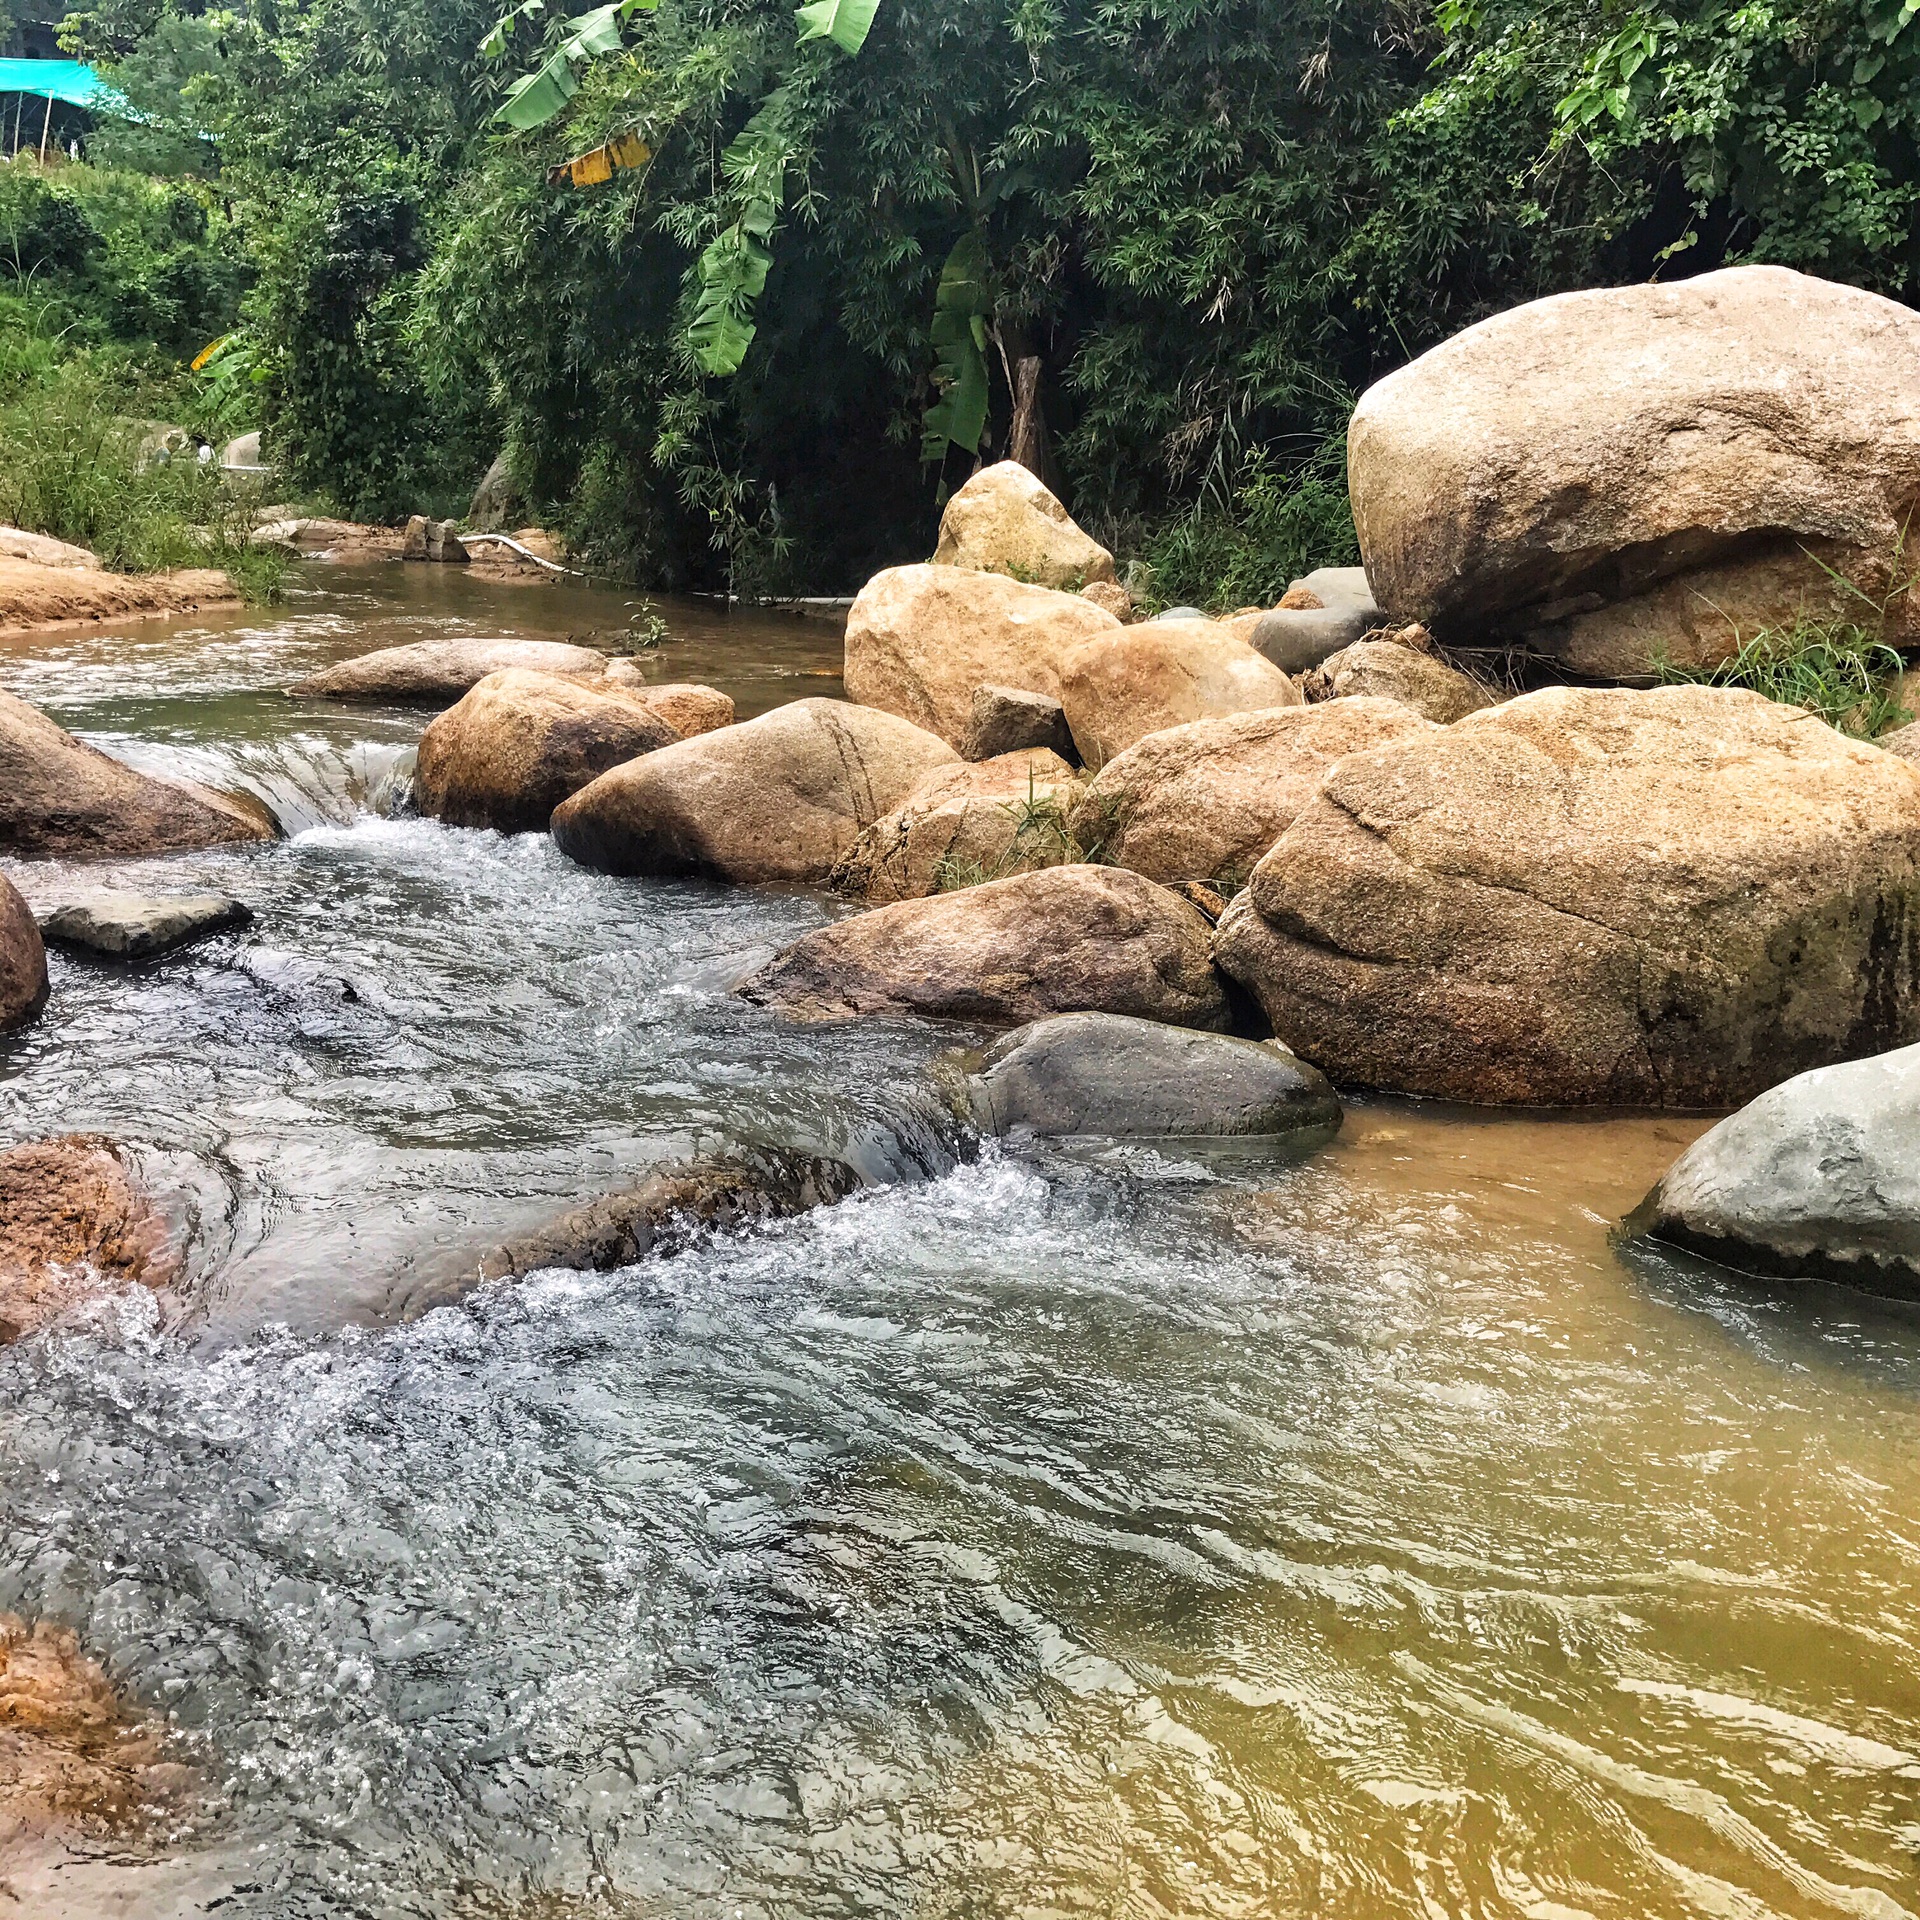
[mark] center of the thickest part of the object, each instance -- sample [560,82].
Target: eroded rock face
[73,1224]
[777,798]
[23,960]
[1122,686]
[686,706]
[1671,898]
[1007,720]
[440,671]
[1390,670]
[1059,941]
[1817,1179]
[964,825]
[1004,520]
[507,753]
[1205,801]
[921,639]
[1555,474]
[1104,1073]
[669,1209]
[63,800]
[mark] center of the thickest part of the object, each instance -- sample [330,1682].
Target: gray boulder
[497,505]
[1817,1179]
[139,926]
[1011,720]
[1298,634]
[1107,1073]
[433,540]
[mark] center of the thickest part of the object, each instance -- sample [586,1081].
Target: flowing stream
[1040,1532]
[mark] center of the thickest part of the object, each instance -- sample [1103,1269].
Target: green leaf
[962,306]
[536,97]
[845,22]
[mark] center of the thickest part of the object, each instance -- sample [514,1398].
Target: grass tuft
[1837,669]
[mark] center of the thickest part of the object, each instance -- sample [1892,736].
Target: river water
[1040,1532]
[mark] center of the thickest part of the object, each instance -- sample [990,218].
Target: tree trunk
[1029,442]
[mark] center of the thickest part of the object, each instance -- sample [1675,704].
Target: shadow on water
[1118,1531]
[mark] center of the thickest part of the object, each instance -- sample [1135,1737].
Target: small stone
[140,926]
[1105,1073]
[1112,596]
[1300,598]
[1011,720]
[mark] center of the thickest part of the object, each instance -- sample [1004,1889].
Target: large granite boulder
[1112,1074]
[1058,941]
[74,1223]
[508,752]
[1671,898]
[1004,520]
[964,825]
[1122,686]
[1392,670]
[1325,610]
[438,672]
[1595,473]
[63,800]
[777,798]
[1205,801]
[23,960]
[1816,1179]
[921,639]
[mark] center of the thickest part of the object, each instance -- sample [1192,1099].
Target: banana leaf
[962,307]
[845,22]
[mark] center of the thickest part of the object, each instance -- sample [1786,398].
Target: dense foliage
[1194,228]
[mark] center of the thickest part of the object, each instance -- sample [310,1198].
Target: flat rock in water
[442,670]
[1817,1179]
[1105,1073]
[139,926]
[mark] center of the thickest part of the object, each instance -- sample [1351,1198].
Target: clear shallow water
[1036,1533]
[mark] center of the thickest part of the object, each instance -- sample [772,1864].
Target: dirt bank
[34,597]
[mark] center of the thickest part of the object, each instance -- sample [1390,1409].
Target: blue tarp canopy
[70,80]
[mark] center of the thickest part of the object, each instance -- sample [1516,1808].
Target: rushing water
[1036,1533]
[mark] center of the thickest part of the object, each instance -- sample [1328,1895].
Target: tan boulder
[1114,598]
[921,639]
[1062,940]
[507,753]
[963,825]
[777,798]
[1205,801]
[1004,520]
[1590,473]
[440,671]
[23,959]
[1122,686]
[1391,670]
[73,1224]
[686,706]
[63,800]
[1669,898]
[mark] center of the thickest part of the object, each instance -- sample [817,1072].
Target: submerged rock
[1330,608]
[63,800]
[442,670]
[1011,720]
[1817,1179]
[73,1224]
[1391,669]
[1122,686]
[670,1208]
[1104,1073]
[1005,520]
[140,926]
[23,960]
[510,750]
[777,798]
[1554,473]
[921,639]
[1670,898]
[1205,801]
[962,825]
[1058,941]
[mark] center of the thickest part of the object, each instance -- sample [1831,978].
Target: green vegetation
[1842,671]
[1153,246]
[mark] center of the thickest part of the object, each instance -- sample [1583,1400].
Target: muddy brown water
[1104,1531]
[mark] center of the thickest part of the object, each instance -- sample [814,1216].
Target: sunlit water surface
[1037,1533]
